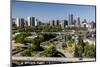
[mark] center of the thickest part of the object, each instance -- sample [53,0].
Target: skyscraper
[31,21]
[13,21]
[52,23]
[74,21]
[36,22]
[57,22]
[64,23]
[26,23]
[20,22]
[78,22]
[70,22]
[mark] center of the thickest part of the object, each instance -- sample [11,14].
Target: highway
[56,59]
[60,59]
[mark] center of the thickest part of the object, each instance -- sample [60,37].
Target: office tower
[74,22]
[64,23]
[78,22]
[26,23]
[39,22]
[70,19]
[57,22]
[31,21]
[13,21]
[52,23]
[36,22]
[20,22]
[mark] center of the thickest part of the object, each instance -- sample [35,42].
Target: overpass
[60,36]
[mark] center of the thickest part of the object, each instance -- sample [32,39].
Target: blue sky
[46,11]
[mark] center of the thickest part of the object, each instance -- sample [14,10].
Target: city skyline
[48,11]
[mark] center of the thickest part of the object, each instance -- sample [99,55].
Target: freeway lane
[58,59]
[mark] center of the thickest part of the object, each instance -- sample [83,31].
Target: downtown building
[57,22]
[64,23]
[84,24]
[13,21]
[70,21]
[37,22]
[20,22]
[52,22]
[78,22]
[31,21]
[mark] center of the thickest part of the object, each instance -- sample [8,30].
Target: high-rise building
[70,22]
[26,23]
[52,23]
[57,22]
[74,22]
[13,21]
[31,21]
[36,22]
[20,22]
[64,23]
[78,22]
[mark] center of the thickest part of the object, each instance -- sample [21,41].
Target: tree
[51,52]
[26,53]
[81,43]
[90,51]
[28,40]
[79,48]
[48,36]
[20,38]
[64,45]
[69,37]
[36,43]
[76,54]
[78,51]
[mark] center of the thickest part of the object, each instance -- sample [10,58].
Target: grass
[34,53]
[14,45]
[70,46]
[48,45]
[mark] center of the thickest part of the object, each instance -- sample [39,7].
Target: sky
[49,11]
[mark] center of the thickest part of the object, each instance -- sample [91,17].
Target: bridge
[52,39]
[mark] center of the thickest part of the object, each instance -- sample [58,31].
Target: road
[40,54]
[58,59]
[66,53]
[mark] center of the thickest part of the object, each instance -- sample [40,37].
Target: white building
[31,21]
[84,24]
[20,22]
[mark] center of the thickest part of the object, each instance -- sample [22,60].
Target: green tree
[81,43]
[26,53]
[64,45]
[20,38]
[51,52]
[90,51]
[79,48]
[28,40]
[78,51]
[69,37]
